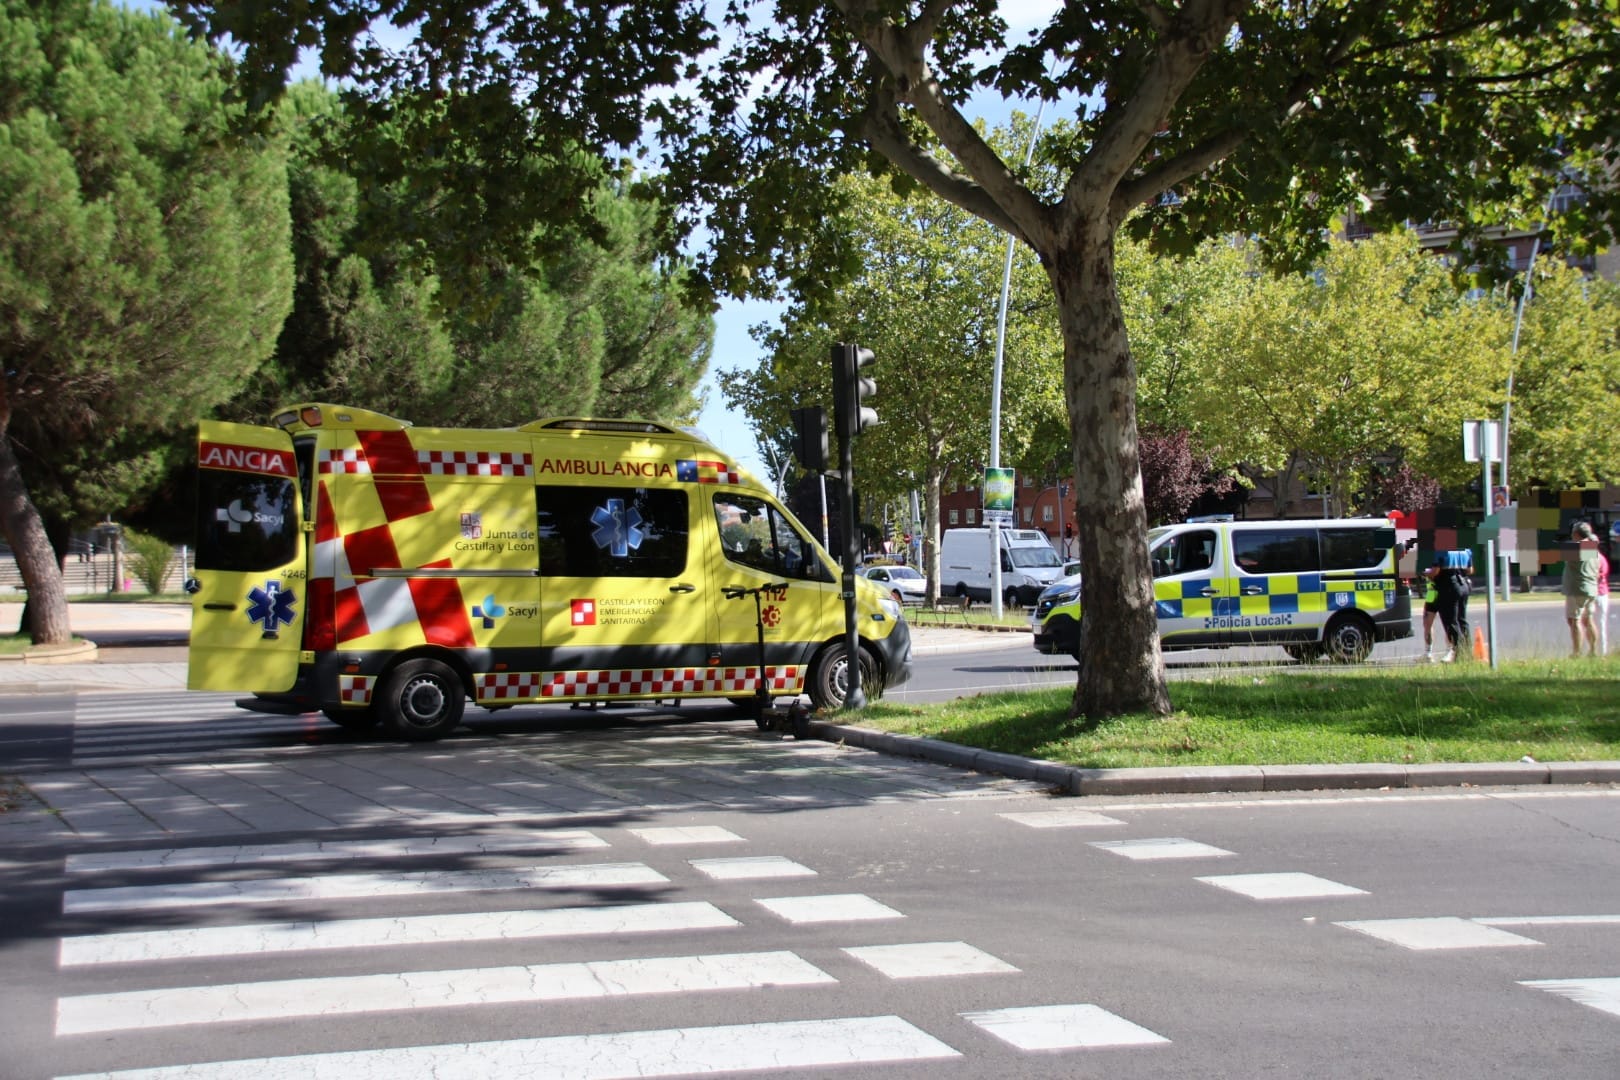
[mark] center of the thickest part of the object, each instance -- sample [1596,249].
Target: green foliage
[1566,382]
[149,559]
[144,267]
[1373,354]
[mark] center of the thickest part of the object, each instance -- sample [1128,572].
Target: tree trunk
[47,613]
[1121,668]
[933,480]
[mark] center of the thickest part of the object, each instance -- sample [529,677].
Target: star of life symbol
[271,606]
[233,516]
[771,615]
[617,529]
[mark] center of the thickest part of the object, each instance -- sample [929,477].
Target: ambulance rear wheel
[354,719]
[1349,639]
[829,679]
[421,700]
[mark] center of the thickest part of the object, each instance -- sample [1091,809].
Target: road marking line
[928,959]
[761,866]
[1342,800]
[1062,819]
[1443,932]
[337,886]
[865,1040]
[570,839]
[1601,994]
[1167,847]
[687,834]
[845,907]
[1550,920]
[1282,886]
[1062,1027]
[291,999]
[261,938]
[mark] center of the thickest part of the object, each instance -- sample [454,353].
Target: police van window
[1275,551]
[245,521]
[1184,553]
[611,532]
[755,534]
[1356,549]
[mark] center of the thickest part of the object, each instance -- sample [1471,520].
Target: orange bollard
[1480,651]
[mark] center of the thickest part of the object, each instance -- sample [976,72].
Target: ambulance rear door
[248,588]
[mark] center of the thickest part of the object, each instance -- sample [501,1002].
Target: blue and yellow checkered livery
[1272,594]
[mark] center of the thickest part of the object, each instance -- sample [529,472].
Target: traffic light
[810,437]
[850,388]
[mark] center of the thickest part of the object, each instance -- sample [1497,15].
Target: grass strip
[1563,710]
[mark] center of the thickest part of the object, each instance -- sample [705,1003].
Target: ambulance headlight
[890,606]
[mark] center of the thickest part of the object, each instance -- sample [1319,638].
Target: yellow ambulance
[350,563]
[1328,587]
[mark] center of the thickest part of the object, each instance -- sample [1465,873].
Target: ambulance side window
[755,534]
[245,521]
[611,532]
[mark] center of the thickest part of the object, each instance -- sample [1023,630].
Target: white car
[904,583]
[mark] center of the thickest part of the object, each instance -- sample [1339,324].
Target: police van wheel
[421,700]
[829,679]
[353,719]
[1349,639]
[1305,654]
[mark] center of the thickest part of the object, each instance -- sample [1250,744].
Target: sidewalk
[166,621]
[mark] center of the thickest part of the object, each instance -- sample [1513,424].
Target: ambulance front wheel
[1349,638]
[421,700]
[829,679]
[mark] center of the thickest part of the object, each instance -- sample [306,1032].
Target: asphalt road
[923,935]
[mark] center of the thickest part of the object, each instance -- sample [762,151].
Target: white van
[1028,564]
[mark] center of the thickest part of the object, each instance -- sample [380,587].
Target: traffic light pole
[846,404]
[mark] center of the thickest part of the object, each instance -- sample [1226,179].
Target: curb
[1211,779]
[76,652]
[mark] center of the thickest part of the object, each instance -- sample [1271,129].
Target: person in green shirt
[1581,588]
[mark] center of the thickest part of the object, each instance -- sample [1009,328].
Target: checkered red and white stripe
[474,463]
[342,461]
[506,686]
[356,689]
[661,682]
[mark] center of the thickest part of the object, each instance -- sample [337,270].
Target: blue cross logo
[617,529]
[488,611]
[271,605]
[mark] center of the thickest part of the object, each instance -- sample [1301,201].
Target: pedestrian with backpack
[1450,574]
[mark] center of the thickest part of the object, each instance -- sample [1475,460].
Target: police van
[383,574]
[1317,588]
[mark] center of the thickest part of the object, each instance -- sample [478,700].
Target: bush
[149,559]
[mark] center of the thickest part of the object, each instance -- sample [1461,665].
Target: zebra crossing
[198,919]
[109,729]
[1421,934]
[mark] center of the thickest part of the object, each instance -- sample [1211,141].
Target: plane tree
[924,299]
[1190,119]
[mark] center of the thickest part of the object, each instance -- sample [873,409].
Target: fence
[85,574]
